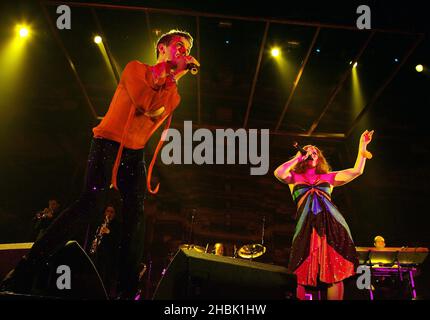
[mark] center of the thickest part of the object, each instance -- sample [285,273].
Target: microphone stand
[191,228]
[262,236]
[262,233]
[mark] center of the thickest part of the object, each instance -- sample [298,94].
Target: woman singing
[322,247]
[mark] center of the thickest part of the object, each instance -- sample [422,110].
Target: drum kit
[194,247]
[251,251]
[247,251]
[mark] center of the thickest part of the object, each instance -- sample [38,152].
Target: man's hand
[182,63]
[104,230]
[47,214]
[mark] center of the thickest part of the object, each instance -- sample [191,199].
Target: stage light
[97,39]
[280,61]
[355,65]
[419,68]
[318,50]
[12,62]
[396,60]
[23,32]
[275,52]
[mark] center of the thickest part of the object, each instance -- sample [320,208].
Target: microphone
[194,69]
[302,151]
[299,148]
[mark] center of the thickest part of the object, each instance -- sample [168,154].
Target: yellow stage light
[97,39]
[419,68]
[275,52]
[23,32]
[355,65]
[12,62]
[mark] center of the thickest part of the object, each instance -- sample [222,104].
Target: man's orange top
[137,92]
[139,106]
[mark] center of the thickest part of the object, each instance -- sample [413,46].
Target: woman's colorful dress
[322,248]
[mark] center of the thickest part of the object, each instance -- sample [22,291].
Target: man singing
[145,98]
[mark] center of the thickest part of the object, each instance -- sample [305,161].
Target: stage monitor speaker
[10,254]
[194,275]
[85,282]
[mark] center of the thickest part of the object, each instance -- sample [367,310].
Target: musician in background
[105,249]
[219,249]
[44,217]
[379,242]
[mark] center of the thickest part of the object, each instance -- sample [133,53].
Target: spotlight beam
[384,85]
[148,26]
[339,85]
[12,58]
[105,44]
[357,102]
[299,75]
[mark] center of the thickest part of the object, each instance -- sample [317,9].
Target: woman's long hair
[322,165]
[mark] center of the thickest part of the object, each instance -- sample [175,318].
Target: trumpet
[45,213]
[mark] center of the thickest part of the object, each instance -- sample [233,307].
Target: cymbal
[192,247]
[250,251]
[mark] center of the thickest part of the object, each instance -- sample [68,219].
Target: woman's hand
[365,139]
[300,157]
